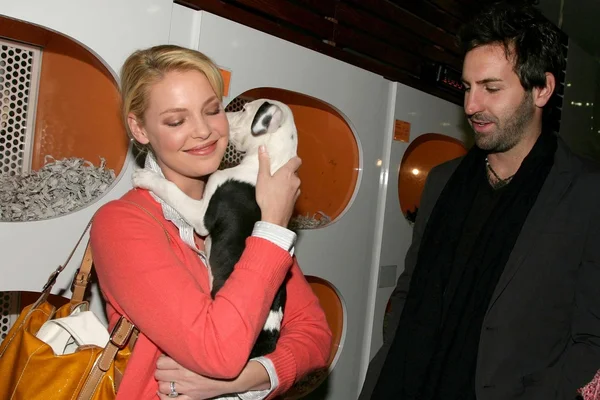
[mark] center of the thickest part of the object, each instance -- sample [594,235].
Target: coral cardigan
[148,274]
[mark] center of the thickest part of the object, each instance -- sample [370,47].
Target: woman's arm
[143,279]
[304,345]
[305,341]
[254,377]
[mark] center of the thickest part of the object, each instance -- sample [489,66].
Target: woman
[151,265]
[591,391]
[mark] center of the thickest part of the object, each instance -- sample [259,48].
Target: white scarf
[186,232]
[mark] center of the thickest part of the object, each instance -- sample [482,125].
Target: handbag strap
[82,277]
[123,333]
[151,216]
[52,279]
[86,265]
[119,337]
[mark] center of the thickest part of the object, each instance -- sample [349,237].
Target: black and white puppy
[228,210]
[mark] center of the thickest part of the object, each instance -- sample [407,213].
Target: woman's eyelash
[215,110]
[174,124]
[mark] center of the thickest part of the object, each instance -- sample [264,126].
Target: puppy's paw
[199,227]
[145,179]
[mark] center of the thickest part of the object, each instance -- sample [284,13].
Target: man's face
[498,108]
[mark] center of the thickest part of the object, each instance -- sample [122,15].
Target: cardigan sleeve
[305,341]
[143,279]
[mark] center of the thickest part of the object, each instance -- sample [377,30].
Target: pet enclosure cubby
[329,153]
[62,141]
[12,303]
[335,311]
[424,153]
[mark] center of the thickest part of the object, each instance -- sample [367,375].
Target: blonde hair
[144,68]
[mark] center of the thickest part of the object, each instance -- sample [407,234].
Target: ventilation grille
[19,74]
[232,156]
[9,304]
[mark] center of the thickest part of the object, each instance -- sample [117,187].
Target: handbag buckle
[79,279]
[120,334]
[52,279]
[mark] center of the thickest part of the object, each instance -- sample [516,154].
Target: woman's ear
[542,95]
[137,130]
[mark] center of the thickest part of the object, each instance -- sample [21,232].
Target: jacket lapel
[557,183]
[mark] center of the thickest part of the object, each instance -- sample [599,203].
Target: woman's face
[185,125]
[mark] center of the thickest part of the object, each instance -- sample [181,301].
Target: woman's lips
[203,150]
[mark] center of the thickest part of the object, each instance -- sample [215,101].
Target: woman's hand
[192,386]
[276,194]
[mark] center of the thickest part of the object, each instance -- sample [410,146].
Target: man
[504,267]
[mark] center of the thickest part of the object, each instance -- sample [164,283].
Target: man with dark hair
[504,266]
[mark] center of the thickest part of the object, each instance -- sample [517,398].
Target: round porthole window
[335,311]
[329,152]
[424,153]
[62,141]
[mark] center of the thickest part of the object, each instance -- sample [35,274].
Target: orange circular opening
[329,153]
[424,153]
[332,305]
[58,102]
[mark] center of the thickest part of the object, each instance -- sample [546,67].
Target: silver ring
[173,391]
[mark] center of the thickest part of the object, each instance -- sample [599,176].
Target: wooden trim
[430,13]
[394,35]
[293,14]
[323,7]
[353,39]
[399,17]
[394,67]
[454,8]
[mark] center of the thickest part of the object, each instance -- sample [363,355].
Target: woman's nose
[202,129]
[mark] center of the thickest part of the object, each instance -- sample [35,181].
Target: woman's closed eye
[213,109]
[175,123]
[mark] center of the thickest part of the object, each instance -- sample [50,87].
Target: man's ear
[542,95]
[137,130]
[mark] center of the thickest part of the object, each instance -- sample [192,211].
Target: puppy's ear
[276,119]
[267,119]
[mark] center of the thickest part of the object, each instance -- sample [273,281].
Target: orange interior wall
[77,113]
[56,300]
[334,312]
[333,308]
[424,153]
[328,149]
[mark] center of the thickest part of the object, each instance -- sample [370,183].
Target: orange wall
[77,112]
[328,150]
[424,153]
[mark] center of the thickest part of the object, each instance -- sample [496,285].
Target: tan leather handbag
[29,367]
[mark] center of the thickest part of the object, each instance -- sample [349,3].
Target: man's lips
[481,126]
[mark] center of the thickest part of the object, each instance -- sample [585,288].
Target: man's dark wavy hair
[525,34]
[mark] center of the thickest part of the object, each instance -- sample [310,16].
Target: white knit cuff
[277,234]
[261,394]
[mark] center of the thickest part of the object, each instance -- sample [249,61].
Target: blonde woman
[152,268]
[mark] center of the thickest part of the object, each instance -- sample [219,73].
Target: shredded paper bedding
[308,222]
[62,186]
[59,187]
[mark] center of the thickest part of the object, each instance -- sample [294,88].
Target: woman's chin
[206,168]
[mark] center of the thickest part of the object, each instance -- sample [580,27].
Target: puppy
[228,210]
